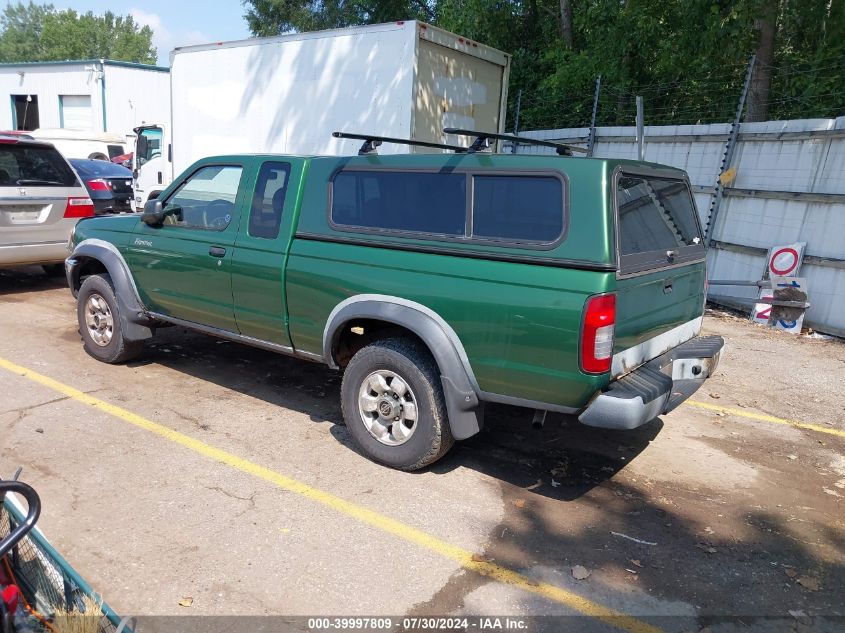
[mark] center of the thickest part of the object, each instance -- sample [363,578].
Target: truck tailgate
[660,290]
[656,312]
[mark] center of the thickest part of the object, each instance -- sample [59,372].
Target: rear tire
[99,322]
[393,404]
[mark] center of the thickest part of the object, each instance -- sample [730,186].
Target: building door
[75,112]
[25,112]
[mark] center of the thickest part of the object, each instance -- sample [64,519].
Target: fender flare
[137,325]
[465,408]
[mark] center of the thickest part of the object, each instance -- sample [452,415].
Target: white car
[83,143]
[41,200]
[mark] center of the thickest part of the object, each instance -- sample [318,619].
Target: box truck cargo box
[287,94]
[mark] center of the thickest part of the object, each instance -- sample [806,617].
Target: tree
[21,26]
[273,17]
[687,58]
[35,32]
[761,79]
[566,23]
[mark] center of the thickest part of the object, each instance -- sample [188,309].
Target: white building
[94,94]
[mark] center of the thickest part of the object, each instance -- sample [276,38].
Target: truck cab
[152,169]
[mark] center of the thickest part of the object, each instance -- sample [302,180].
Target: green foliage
[273,17]
[32,33]
[687,58]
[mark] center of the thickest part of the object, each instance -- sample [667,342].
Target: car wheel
[393,404]
[54,270]
[100,324]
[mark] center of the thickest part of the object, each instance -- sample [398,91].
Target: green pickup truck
[435,282]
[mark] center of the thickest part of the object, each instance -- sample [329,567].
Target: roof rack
[482,141]
[371,142]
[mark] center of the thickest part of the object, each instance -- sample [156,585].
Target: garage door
[76,112]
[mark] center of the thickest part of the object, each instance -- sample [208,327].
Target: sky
[175,22]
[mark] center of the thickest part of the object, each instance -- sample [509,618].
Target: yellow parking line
[763,417]
[379,521]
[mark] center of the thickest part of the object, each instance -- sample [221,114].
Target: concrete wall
[789,187]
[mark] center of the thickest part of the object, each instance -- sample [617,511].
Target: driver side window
[149,145]
[206,200]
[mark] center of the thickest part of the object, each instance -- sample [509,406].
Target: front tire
[393,404]
[100,324]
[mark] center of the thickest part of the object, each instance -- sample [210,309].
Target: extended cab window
[518,208]
[206,200]
[658,223]
[265,216]
[418,202]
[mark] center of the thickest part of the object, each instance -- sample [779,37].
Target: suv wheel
[99,322]
[393,404]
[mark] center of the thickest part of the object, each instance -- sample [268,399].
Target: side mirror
[154,213]
[141,146]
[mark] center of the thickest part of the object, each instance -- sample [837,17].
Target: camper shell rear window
[526,209]
[657,222]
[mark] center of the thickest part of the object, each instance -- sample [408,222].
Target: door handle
[667,288]
[216,251]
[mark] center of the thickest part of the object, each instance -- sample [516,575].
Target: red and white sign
[782,262]
[785,261]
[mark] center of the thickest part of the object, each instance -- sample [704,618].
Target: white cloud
[165,40]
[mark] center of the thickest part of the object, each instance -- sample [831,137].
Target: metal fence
[789,186]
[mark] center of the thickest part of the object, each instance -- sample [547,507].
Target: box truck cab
[152,167]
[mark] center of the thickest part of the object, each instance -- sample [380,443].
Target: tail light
[597,334]
[79,208]
[98,184]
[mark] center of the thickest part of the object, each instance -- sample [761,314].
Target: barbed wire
[837,60]
[711,97]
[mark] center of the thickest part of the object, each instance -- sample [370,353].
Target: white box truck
[287,95]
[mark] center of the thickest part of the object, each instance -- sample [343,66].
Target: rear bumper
[655,388]
[112,205]
[28,254]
